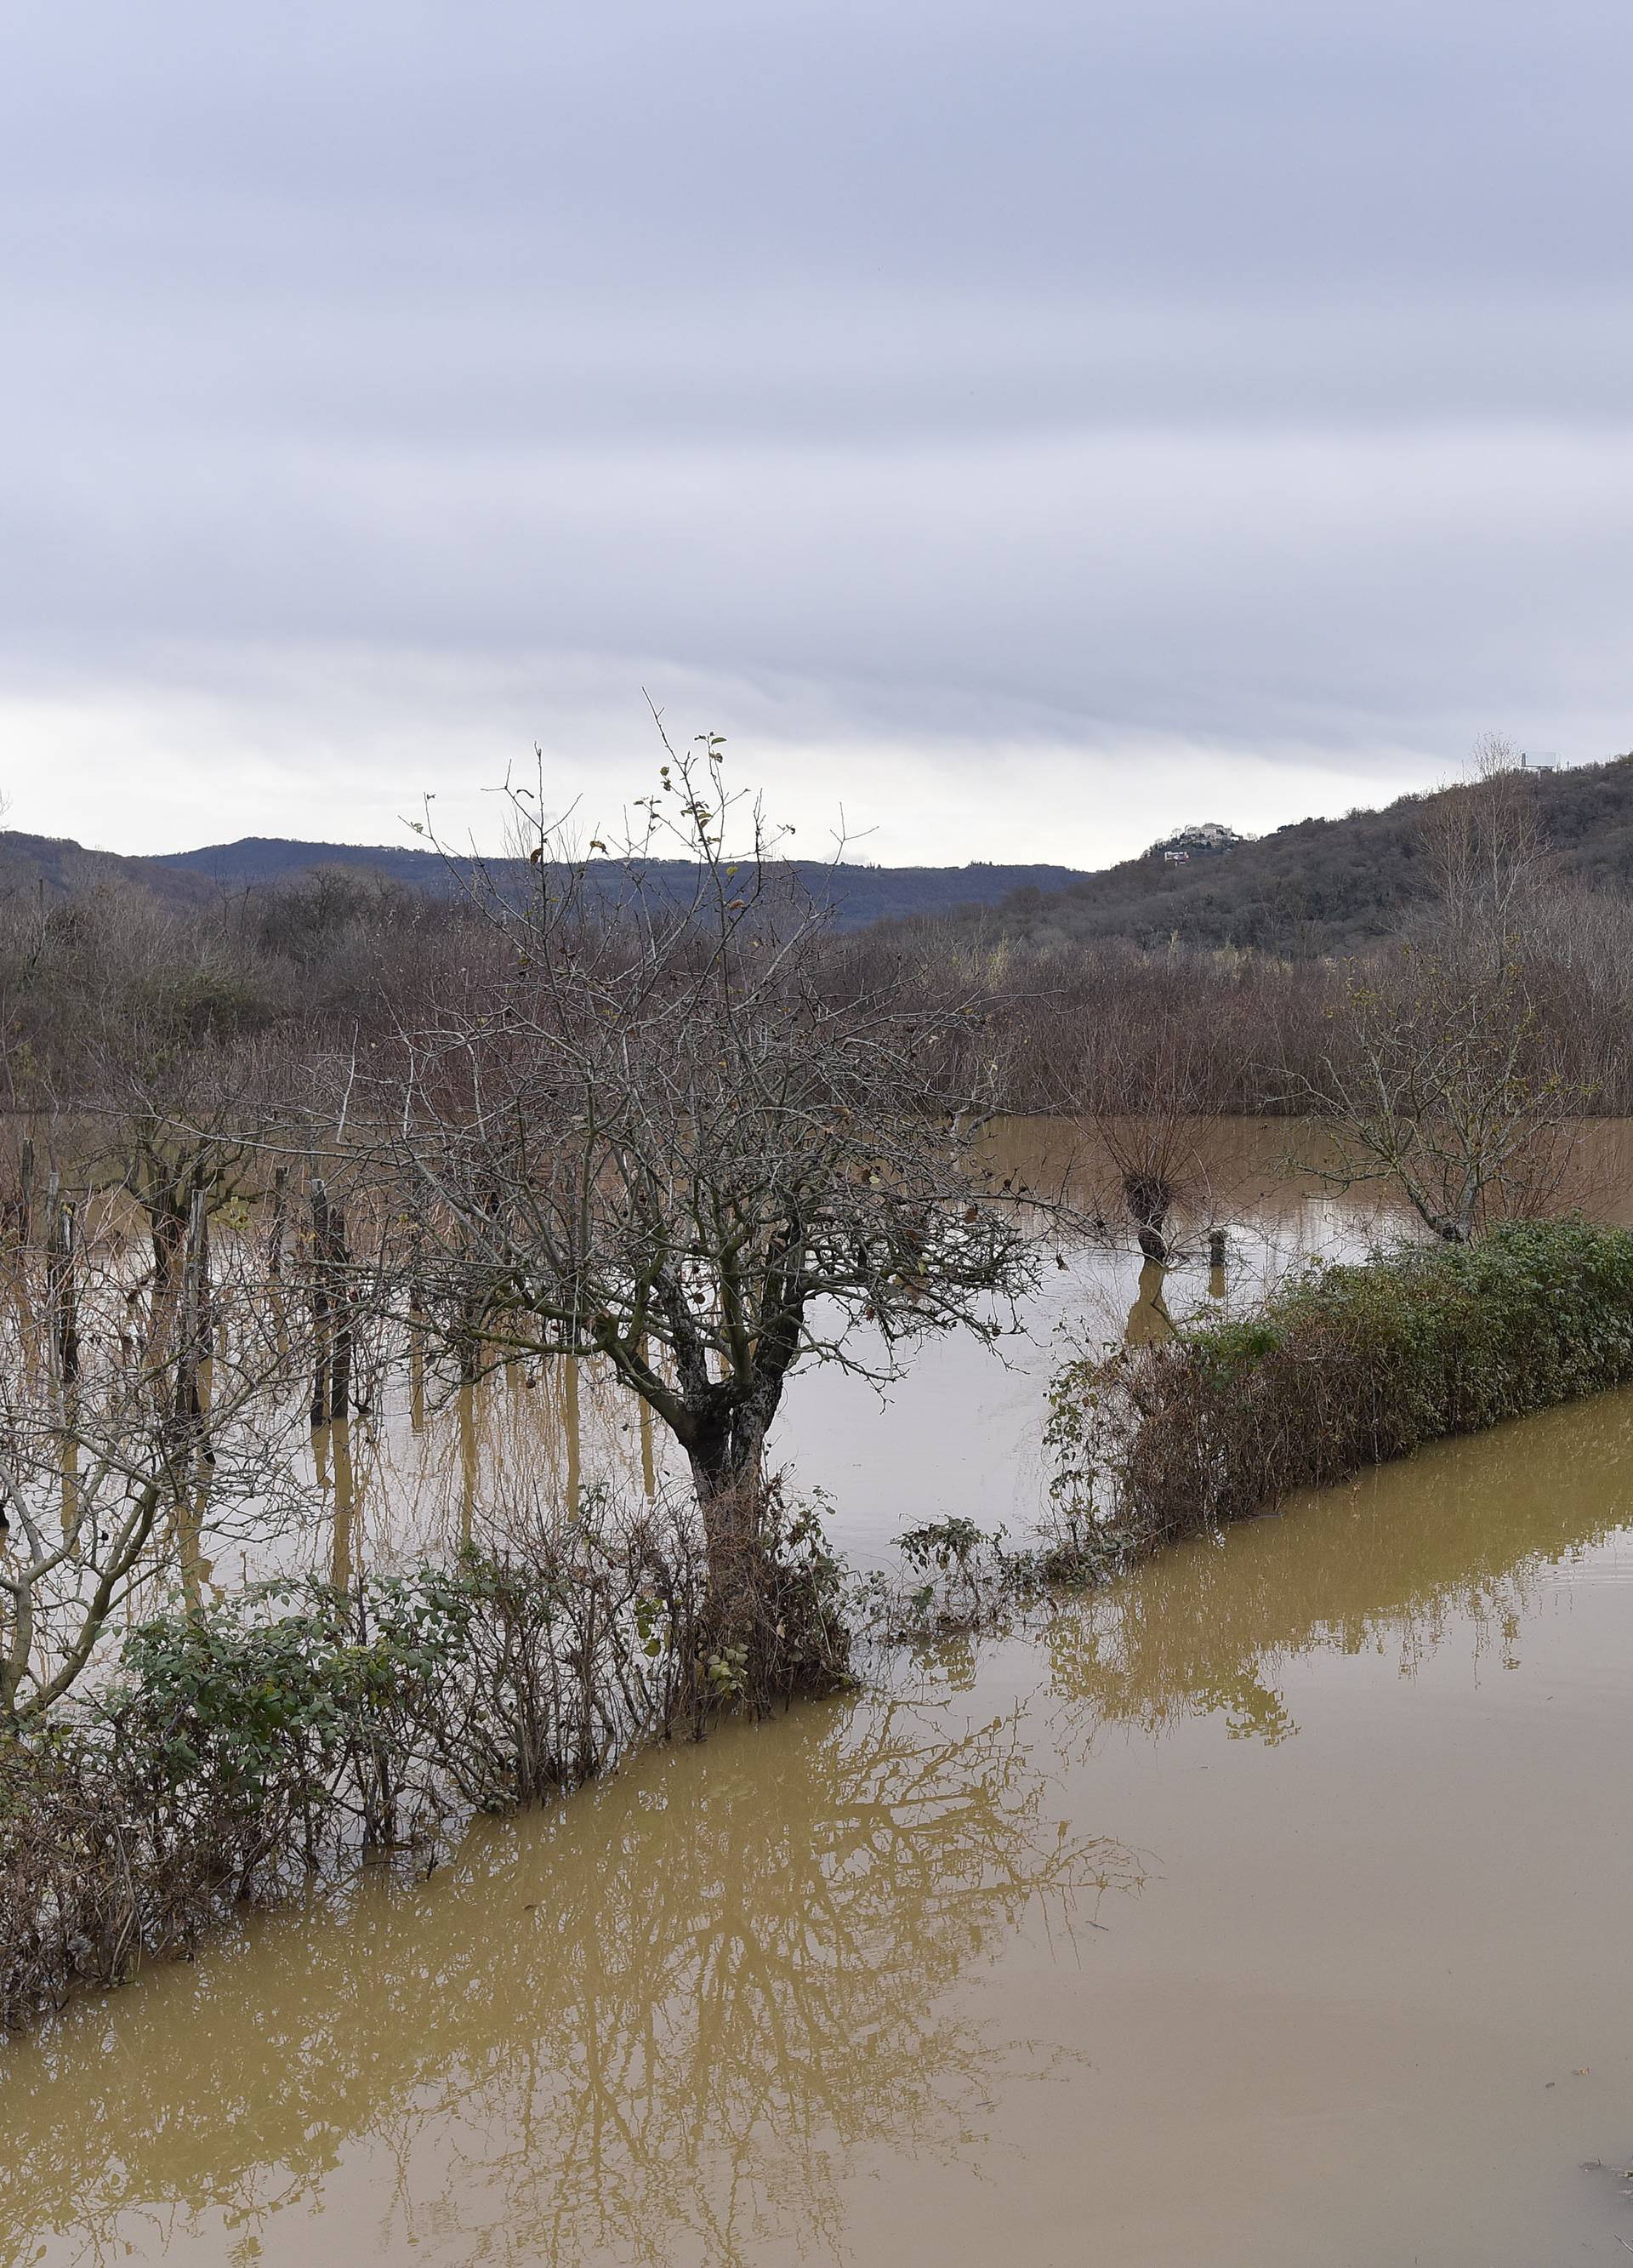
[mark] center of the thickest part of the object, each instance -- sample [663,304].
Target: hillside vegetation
[1314,887]
[1320,886]
[53,868]
[857,893]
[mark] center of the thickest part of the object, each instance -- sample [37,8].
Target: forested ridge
[1318,886]
[1314,886]
[55,868]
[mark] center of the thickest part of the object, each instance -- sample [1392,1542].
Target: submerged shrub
[1353,1363]
[274,1740]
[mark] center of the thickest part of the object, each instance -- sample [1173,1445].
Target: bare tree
[1484,840]
[1440,1082]
[1442,1079]
[653,1137]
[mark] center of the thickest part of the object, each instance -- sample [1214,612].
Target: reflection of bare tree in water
[1454,1537]
[1149,1321]
[530,1441]
[653,2030]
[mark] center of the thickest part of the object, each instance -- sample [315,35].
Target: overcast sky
[1025,425]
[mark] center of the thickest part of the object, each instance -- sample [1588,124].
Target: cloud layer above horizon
[1024,427]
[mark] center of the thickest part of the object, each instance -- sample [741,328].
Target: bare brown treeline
[182,1057]
[110,994]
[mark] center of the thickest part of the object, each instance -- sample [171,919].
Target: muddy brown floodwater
[1271,1911]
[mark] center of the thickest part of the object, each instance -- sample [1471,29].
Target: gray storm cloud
[926,396]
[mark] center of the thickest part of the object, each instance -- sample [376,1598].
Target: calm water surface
[1271,1909]
[959,1435]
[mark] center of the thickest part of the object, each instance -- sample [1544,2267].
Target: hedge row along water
[269,1743]
[1352,1364]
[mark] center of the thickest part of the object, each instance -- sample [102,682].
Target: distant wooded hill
[1320,886]
[859,894]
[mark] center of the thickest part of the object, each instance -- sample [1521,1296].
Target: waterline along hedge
[1349,1365]
[243,1753]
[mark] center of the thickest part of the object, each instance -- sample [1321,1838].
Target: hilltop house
[1211,840]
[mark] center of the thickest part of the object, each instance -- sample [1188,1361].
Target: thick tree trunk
[169,1221]
[728,1470]
[1148,1198]
[722,1425]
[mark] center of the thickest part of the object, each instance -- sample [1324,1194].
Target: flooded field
[959,1435]
[1268,1908]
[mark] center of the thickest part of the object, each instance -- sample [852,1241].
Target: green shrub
[1349,1365]
[277,1738]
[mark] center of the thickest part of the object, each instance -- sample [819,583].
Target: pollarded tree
[656,1132]
[1144,1074]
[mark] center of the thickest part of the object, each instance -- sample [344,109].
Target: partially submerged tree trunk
[1148,1197]
[722,1425]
